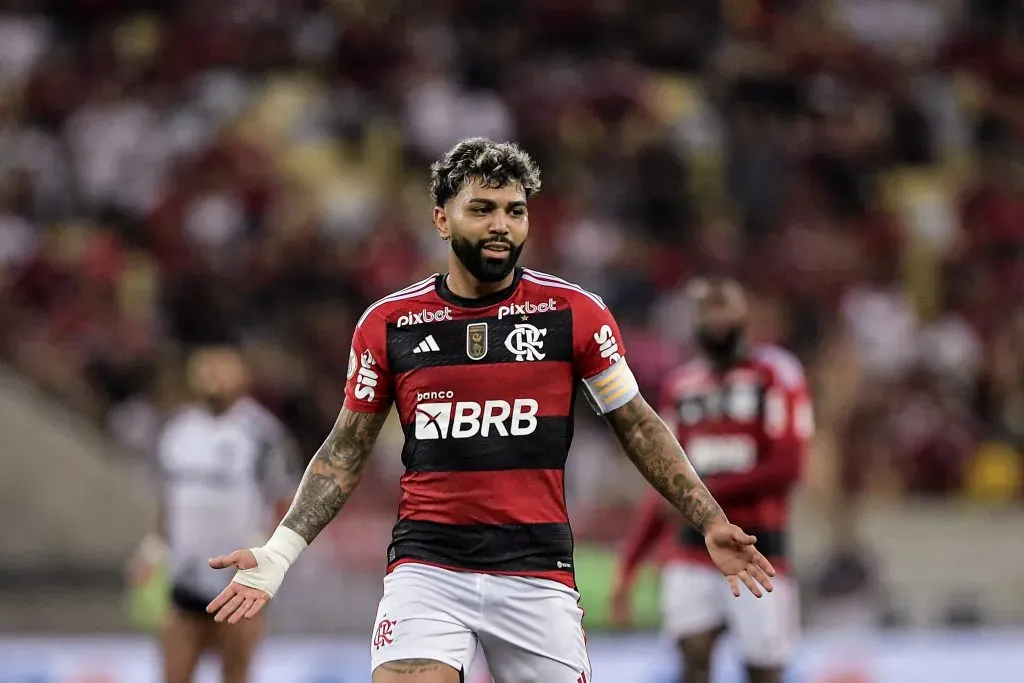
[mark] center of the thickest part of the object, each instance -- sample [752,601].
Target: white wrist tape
[272,561]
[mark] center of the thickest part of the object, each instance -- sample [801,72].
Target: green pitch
[595,572]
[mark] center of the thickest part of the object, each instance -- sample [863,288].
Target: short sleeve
[368,388]
[600,357]
[788,414]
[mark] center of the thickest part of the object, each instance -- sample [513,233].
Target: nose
[499,226]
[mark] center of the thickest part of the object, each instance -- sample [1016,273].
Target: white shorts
[531,630]
[696,599]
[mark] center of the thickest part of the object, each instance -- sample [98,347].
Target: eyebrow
[514,204]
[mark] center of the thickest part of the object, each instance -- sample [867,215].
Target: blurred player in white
[225,464]
[743,414]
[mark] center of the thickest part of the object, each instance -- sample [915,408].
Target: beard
[483,268]
[723,348]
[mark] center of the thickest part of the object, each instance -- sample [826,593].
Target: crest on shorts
[476,340]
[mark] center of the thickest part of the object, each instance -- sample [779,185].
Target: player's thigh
[416,671]
[692,604]
[766,629]
[532,632]
[426,616]
[184,638]
[237,644]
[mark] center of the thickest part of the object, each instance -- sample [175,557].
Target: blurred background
[171,169]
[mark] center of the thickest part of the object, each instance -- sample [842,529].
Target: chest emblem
[476,340]
[526,342]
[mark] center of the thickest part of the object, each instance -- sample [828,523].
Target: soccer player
[743,415]
[483,365]
[225,463]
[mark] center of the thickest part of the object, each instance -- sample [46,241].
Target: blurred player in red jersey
[743,414]
[483,365]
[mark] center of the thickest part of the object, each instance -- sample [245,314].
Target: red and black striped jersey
[485,390]
[745,433]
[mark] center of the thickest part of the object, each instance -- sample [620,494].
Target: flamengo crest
[526,341]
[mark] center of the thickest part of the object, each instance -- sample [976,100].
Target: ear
[441,223]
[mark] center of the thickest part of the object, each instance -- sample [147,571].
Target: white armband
[272,561]
[611,388]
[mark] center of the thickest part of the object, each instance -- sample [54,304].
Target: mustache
[495,240]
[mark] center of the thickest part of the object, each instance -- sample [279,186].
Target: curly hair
[495,164]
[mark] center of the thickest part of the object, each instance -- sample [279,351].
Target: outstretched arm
[659,457]
[334,472]
[650,445]
[329,480]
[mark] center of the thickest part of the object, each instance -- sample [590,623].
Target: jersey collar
[441,286]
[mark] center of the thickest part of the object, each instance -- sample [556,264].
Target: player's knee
[235,669]
[697,652]
[236,663]
[416,671]
[762,674]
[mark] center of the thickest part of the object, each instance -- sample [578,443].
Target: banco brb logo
[463,419]
[526,342]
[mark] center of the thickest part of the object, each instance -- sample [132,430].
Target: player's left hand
[733,552]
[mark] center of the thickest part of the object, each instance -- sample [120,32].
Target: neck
[219,406]
[724,364]
[463,284]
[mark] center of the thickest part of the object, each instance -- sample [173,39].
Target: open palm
[733,552]
[237,601]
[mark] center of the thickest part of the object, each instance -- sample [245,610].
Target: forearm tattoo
[333,472]
[659,457]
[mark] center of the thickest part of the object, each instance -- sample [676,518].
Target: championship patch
[476,340]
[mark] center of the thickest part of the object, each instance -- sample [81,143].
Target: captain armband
[611,388]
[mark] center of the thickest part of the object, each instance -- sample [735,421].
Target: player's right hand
[240,600]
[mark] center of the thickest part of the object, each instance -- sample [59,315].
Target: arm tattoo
[659,457]
[333,472]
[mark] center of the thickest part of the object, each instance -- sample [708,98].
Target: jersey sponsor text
[463,419]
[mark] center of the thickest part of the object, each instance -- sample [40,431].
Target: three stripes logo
[582,678]
[427,345]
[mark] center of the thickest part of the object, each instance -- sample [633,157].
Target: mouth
[496,249]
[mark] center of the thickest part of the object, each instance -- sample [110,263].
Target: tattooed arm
[659,457]
[330,478]
[333,472]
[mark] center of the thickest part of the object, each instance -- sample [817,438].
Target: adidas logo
[427,345]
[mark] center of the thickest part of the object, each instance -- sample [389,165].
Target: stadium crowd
[174,172]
